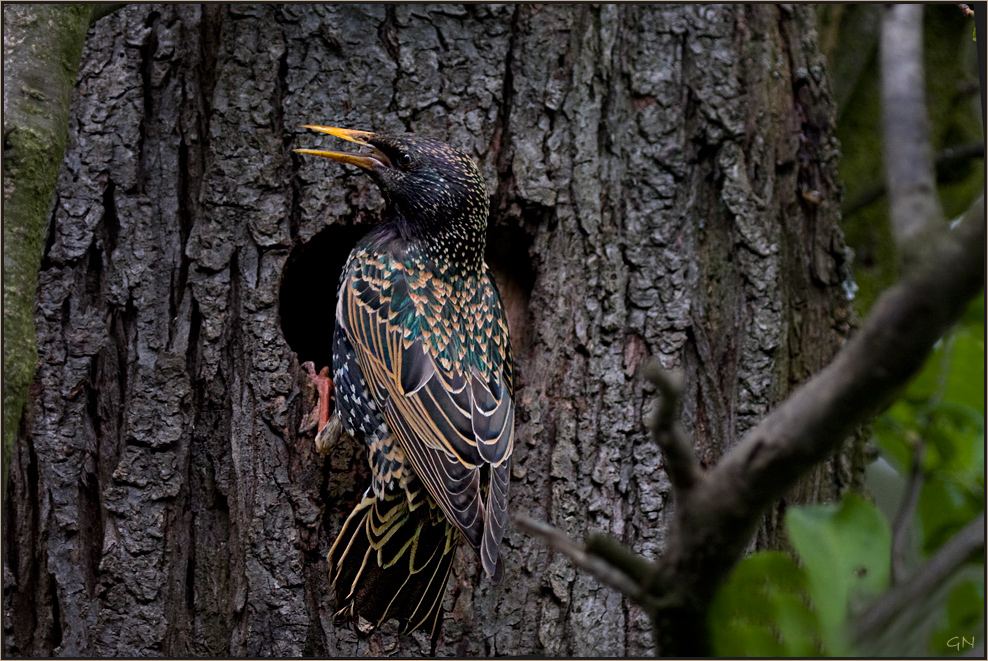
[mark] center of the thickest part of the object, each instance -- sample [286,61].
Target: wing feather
[452,412]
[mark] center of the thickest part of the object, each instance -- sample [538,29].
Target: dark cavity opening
[509,259]
[307,301]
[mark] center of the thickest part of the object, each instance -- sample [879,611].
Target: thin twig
[948,159]
[906,512]
[944,563]
[914,205]
[902,524]
[602,570]
[681,463]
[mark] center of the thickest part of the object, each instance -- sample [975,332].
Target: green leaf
[764,610]
[895,433]
[963,619]
[974,316]
[946,506]
[845,552]
[965,382]
[955,370]
[955,433]
[943,405]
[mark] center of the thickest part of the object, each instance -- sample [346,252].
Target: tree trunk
[663,184]
[42,44]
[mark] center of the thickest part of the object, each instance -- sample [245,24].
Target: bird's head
[425,181]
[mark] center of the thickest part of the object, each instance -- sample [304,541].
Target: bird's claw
[319,417]
[329,435]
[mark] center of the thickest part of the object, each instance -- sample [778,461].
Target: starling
[423,375]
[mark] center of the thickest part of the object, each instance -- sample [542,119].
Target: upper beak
[370,161]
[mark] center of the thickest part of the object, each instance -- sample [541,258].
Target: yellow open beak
[370,161]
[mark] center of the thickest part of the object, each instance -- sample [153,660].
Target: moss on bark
[42,47]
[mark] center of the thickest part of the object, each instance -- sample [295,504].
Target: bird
[423,375]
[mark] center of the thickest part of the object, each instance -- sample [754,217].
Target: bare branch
[681,463]
[603,570]
[945,562]
[715,523]
[914,205]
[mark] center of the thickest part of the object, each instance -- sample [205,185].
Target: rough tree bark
[41,49]
[663,184]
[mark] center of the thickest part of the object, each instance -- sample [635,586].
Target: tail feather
[496,516]
[392,559]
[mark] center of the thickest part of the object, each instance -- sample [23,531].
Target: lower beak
[371,161]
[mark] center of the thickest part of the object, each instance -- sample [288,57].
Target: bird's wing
[444,383]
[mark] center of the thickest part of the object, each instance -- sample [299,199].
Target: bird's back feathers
[433,349]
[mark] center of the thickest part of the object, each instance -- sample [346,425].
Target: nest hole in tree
[509,258]
[307,298]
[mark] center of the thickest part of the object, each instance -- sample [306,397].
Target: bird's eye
[404,159]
